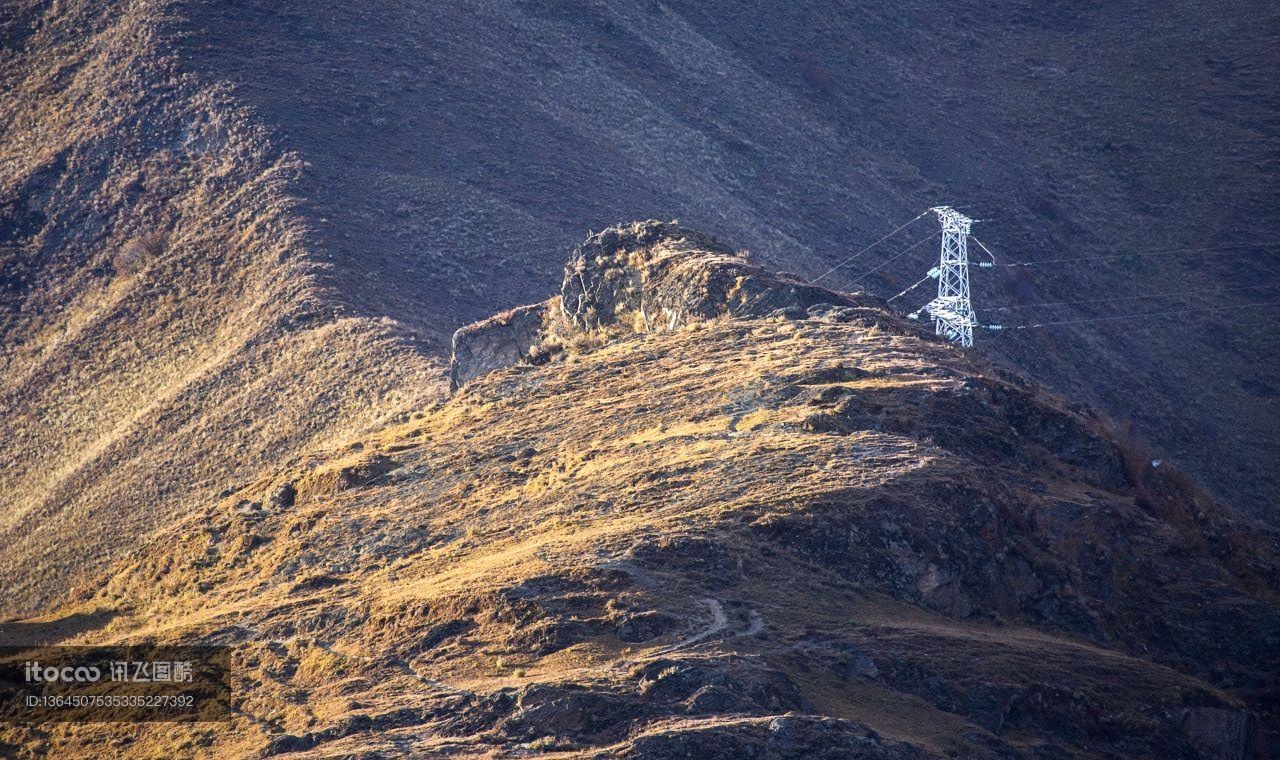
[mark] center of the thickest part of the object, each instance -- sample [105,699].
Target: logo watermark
[120,684]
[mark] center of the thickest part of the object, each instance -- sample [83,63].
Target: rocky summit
[690,508]
[643,277]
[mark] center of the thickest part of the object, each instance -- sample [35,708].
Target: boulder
[496,342]
[283,496]
[655,275]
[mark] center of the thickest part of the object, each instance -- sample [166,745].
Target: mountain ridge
[436,164]
[764,533]
[163,323]
[486,139]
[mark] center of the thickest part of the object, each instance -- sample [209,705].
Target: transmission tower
[951,311]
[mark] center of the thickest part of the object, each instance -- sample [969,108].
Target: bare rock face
[641,277]
[658,276]
[499,341]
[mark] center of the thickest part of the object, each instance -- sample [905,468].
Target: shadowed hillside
[458,148]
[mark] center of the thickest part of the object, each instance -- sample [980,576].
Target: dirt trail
[718,621]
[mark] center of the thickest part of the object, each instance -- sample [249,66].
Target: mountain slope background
[233,230]
[458,150]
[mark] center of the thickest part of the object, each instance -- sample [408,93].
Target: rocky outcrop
[641,277]
[658,275]
[499,341]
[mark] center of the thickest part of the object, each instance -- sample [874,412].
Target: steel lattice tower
[951,311]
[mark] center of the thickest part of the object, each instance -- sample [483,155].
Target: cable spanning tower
[951,311]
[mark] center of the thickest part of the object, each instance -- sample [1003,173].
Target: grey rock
[642,277]
[658,276]
[499,341]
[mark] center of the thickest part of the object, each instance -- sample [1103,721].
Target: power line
[1213,250]
[1122,298]
[1133,316]
[919,282]
[864,250]
[908,249]
[988,250]
[954,263]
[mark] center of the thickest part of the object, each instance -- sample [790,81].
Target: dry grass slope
[163,333]
[746,535]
